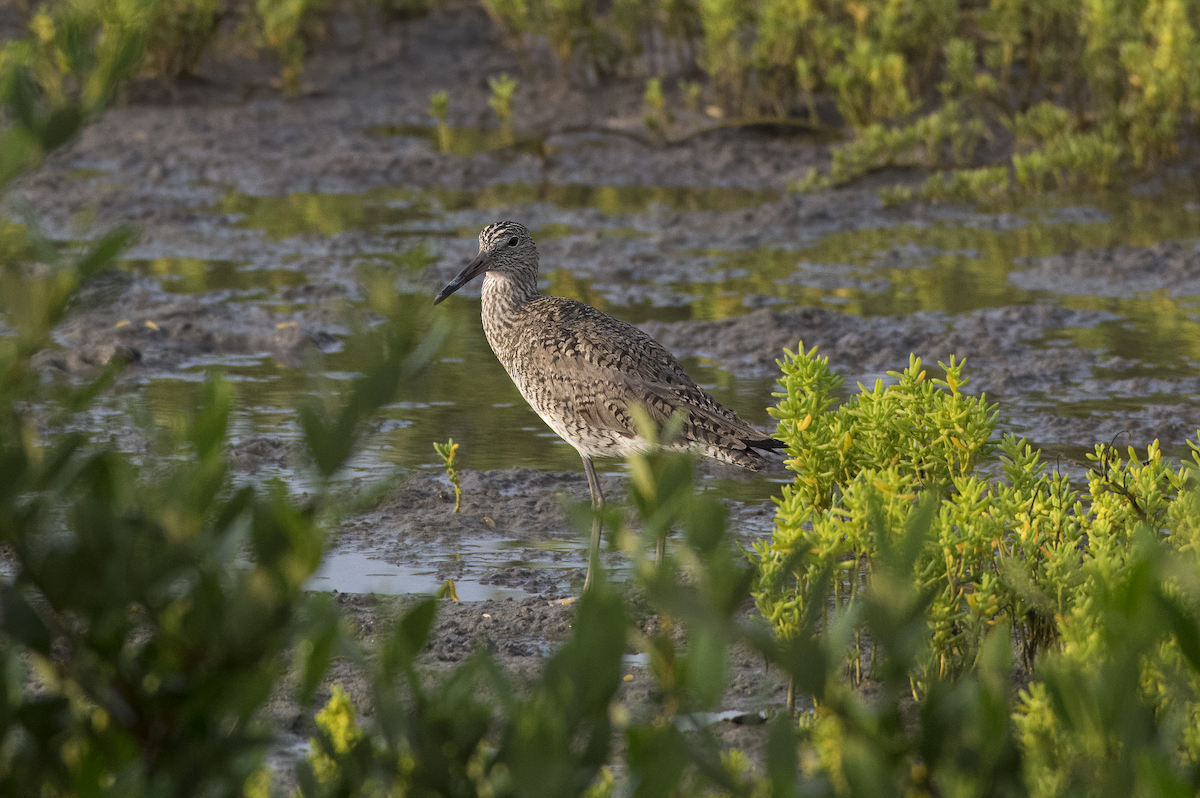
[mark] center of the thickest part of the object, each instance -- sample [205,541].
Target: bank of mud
[297,197]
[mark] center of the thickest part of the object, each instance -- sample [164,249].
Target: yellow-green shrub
[182,30]
[283,25]
[1026,550]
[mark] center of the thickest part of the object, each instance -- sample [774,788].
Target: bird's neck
[505,296]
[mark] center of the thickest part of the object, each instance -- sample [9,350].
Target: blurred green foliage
[148,610]
[64,71]
[148,607]
[151,607]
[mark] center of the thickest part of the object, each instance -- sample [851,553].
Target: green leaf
[808,662]
[657,756]
[706,666]
[782,758]
[22,622]
[1184,625]
[63,123]
[329,445]
[317,642]
[410,636]
[211,423]
[104,252]
[22,99]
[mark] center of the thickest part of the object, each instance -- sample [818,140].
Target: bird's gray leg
[597,503]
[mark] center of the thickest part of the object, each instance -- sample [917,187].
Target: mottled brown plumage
[582,370]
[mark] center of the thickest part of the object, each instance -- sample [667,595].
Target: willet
[582,370]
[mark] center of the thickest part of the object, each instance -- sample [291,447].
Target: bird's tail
[766,444]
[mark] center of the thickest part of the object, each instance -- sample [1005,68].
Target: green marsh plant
[151,610]
[62,73]
[439,109]
[807,81]
[1026,553]
[180,34]
[448,451]
[655,117]
[691,91]
[503,87]
[283,26]
[1090,719]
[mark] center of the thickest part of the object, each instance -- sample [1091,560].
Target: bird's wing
[603,366]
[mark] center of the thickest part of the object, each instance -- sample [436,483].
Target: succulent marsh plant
[439,109]
[448,451]
[503,87]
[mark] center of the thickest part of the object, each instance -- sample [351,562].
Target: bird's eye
[512,242]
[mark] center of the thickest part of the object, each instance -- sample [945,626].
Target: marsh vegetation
[949,603]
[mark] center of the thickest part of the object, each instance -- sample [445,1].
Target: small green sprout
[447,452]
[439,107]
[339,722]
[691,93]
[447,590]
[503,87]
[807,78]
[655,117]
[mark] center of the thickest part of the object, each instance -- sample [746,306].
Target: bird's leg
[597,504]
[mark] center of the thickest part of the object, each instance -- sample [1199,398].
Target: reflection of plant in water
[447,452]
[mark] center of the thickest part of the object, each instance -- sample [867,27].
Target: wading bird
[582,370]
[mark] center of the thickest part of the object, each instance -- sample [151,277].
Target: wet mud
[256,216]
[1172,266]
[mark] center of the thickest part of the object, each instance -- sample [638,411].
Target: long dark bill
[475,268]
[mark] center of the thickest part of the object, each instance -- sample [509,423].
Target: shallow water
[955,263]
[185,275]
[358,572]
[413,212]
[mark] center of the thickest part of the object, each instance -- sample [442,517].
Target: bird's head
[504,247]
